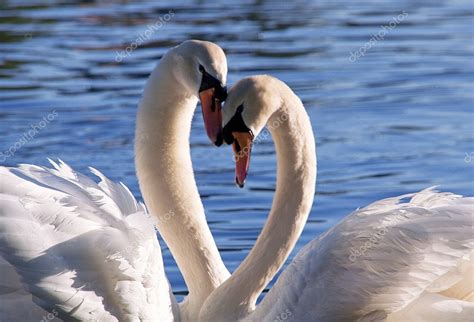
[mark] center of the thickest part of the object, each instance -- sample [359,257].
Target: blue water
[395,120]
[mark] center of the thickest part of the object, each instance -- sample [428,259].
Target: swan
[408,258]
[72,248]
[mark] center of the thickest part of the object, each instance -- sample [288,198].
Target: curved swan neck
[166,178]
[296,179]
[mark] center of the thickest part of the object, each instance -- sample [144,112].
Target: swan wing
[78,249]
[15,303]
[393,255]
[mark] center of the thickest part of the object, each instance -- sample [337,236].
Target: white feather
[80,249]
[384,261]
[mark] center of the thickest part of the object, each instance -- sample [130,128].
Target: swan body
[408,258]
[80,250]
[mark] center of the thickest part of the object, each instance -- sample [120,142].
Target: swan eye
[201,68]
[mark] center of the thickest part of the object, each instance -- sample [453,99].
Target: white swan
[407,258]
[74,249]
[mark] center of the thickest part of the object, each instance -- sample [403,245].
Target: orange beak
[211,112]
[242,147]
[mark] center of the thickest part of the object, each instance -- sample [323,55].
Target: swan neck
[296,179]
[167,183]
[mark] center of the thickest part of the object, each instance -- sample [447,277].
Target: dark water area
[388,86]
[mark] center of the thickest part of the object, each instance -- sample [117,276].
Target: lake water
[390,119]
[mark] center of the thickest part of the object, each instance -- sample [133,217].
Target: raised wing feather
[379,260]
[81,249]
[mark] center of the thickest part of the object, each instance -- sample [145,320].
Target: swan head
[251,103]
[201,68]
